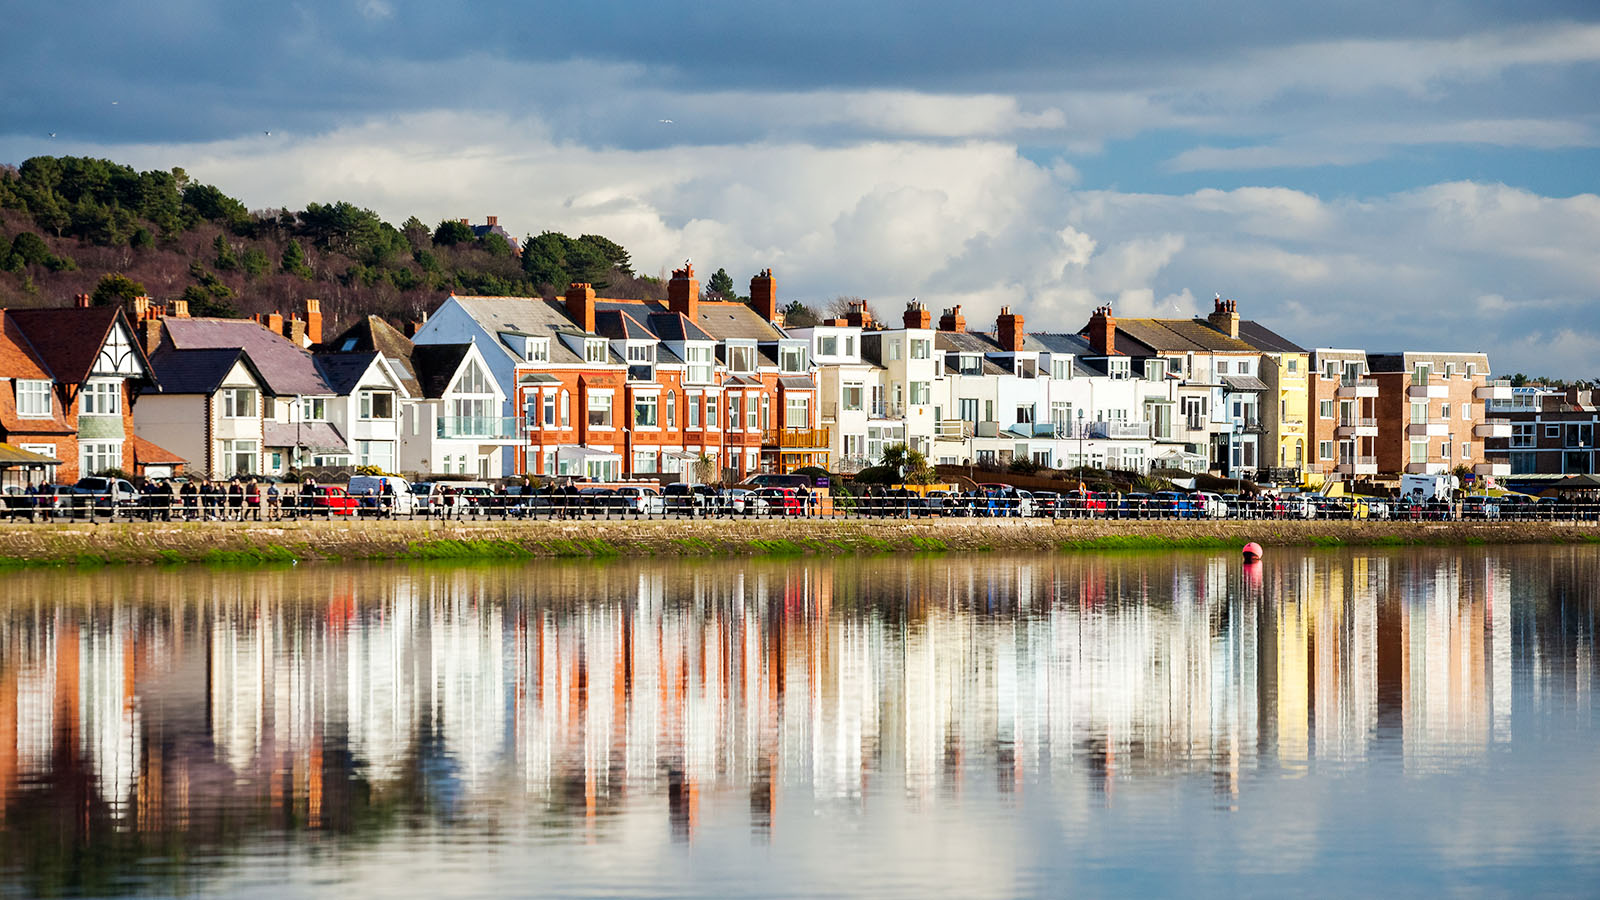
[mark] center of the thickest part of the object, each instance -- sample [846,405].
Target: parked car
[331,500]
[948,503]
[779,501]
[386,494]
[1047,504]
[1175,504]
[1480,508]
[644,501]
[690,499]
[1211,506]
[108,494]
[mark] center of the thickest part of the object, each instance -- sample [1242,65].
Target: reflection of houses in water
[473,689]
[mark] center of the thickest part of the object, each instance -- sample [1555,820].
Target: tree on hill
[451,232]
[294,261]
[116,289]
[721,286]
[553,260]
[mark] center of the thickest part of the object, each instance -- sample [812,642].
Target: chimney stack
[764,295]
[683,293]
[275,322]
[295,331]
[952,320]
[858,316]
[180,309]
[1103,332]
[313,320]
[415,325]
[466,222]
[81,301]
[139,309]
[580,305]
[1225,317]
[151,333]
[917,316]
[492,220]
[1009,330]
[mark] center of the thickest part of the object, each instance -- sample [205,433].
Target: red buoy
[1252,552]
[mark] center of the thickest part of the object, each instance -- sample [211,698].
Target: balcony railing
[953,430]
[888,411]
[796,438]
[492,428]
[1358,422]
[1117,429]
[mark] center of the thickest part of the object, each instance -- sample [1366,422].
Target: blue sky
[1366,174]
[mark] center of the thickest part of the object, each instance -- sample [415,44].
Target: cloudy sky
[1365,174]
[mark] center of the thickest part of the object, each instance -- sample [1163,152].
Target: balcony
[1123,430]
[1494,390]
[953,430]
[1356,427]
[1495,469]
[1292,423]
[795,438]
[1428,391]
[1357,465]
[887,411]
[1355,389]
[483,428]
[1492,428]
[1427,429]
[849,465]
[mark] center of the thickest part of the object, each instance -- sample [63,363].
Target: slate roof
[720,320]
[68,340]
[199,371]
[372,334]
[310,435]
[671,326]
[343,371]
[17,358]
[620,326]
[1263,338]
[522,315]
[1179,336]
[149,453]
[1077,347]
[437,364]
[285,369]
[1244,383]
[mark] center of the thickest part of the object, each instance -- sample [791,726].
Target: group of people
[216,501]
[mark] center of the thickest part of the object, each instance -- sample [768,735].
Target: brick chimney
[466,222]
[917,316]
[415,325]
[952,320]
[1009,329]
[1225,317]
[180,309]
[313,320]
[1103,332]
[858,316]
[683,293]
[81,301]
[764,295]
[492,220]
[275,322]
[139,309]
[580,305]
[295,330]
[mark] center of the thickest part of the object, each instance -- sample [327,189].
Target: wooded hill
[73,225]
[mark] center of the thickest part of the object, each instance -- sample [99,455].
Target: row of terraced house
[584,385]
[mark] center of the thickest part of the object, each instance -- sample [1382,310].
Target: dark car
[690,499]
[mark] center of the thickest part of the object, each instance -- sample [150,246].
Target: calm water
[1341,723]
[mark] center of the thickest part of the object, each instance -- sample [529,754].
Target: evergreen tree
[225,261]
[294,261]
[721,286]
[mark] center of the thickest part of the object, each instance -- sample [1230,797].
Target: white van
[398,500]
[1428,487]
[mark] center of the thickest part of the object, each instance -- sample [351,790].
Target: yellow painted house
[1285,404]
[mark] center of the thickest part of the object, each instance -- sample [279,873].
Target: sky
[1368,175]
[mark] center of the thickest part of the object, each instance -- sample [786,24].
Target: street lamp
[1080,442]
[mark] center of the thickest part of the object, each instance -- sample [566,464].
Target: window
[852,397]
[1444,450]
[750,412]
[1061,369]
[921,348]
[792,359]
[699,363]
[1552,431]
[921,392]
[376,453]
[599,410]
[1466,411]
[797,412]
[694,412]
[1330,369]
[1325,409]
[1449,370]
[239,457]
[734,406]
[1471,372]
[672,409]
[238,403]
[477,410]
[313,409]
[595,352]
[95,457]
[1024,415]
[1244,367]
[101,397]
[566,410]
[1522,434]
[850,345]
[1466,452]
[1293,365]
[1325,449]
[711,412]
[33,398]
[549,410]
[1419,451]
[828,346]
[1419,413]
[971,364]
[766,413]
[742,360]
[894,349]
[473,381]
[1222,367]
[644,461]
[1444,410]
[1119,369]
[538,350]
[644,410]
[377,404]
[1420,373]
[1154,369]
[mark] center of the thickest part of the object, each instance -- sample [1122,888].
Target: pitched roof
[198,371]
[521,315]
[343,371]
[310,435]
[17,359]
[69,339]
[1180,336]
[1261,337]
[671,326]
[284,368]
[620,326]
[720,320]
[146,453]
[371,333]
[437,364]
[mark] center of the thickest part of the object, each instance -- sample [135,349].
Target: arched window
[672,409]
[766,413]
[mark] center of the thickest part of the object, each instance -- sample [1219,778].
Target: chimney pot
[917,316]
[764,295]
[1103,331]
[580,305]
[683,293]
[313,320]
[952,320]
[492,220]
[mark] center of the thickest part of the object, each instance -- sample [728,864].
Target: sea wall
[140,542]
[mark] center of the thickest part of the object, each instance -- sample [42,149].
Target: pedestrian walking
[274,501]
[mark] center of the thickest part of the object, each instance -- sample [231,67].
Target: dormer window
[828,345]
[1154,369]
[33,398]
[594,351]
[741,359]
[700,363]
[537,350]
[971,364]
[792,360]
[641,361]
[1061,368]
[1119,369]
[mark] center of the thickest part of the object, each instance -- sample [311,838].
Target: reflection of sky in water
[963,726]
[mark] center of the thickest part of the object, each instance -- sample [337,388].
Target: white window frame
[101,397]
[233,408]
[33,398]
